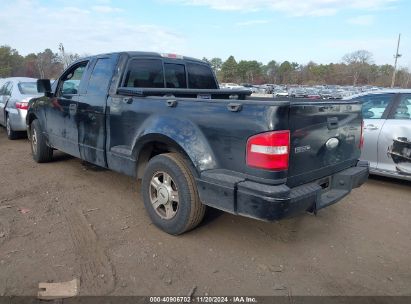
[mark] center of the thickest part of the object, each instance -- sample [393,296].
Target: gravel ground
[66,220]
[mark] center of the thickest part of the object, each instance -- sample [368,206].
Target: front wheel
[170,194]
[41,152]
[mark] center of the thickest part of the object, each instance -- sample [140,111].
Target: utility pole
[396,56]
[63,55]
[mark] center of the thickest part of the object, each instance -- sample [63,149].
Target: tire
[41,152]
[10,133]
[171,202]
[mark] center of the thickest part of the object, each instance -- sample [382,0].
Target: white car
[280,93]
[387,132]
[232,86]
[15,94]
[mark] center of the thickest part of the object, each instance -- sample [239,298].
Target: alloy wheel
[164,195]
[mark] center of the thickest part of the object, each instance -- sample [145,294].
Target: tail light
[362,135]
[269,150]
[22,105]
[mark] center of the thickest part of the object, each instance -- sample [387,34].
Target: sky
[296,30]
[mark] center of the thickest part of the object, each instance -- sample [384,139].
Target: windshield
[28,88]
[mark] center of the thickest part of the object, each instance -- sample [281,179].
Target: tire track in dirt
[97,276]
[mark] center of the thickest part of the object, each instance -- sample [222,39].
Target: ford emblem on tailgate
[332,143]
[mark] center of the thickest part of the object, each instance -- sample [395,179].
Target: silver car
[15,94]
[387,132]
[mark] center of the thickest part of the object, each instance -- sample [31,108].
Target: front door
[62,113]
[375,110]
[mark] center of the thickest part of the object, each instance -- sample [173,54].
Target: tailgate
[325,139]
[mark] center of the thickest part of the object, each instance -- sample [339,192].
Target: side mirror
[44,86]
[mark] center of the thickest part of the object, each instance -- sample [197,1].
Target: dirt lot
[66,220]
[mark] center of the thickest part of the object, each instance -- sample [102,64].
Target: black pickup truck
[164,120]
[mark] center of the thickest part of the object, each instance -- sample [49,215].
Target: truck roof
[149,54]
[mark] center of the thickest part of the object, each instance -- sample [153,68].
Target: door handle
[371,127]
[234,107]
[128,100]
[171,103]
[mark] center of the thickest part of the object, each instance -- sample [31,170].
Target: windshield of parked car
[28,88]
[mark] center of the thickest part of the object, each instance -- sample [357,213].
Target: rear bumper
[275,202]
[17,119]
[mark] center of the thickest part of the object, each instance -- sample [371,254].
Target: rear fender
[177,133]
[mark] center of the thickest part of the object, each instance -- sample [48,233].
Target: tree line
[46,64]
[356,68]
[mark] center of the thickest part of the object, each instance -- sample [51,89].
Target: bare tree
[357,63]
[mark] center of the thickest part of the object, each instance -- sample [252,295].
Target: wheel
[10,133]
[170,194]
[41,152]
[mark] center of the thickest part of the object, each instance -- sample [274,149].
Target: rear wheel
[170,194]
[10,133]
[41,152]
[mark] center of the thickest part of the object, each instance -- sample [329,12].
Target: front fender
[181,131]
[37,111]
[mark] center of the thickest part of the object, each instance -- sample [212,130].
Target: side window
[70,82]
[200,76]
[3,89]
[175,76]
[100,77]
[9,88]
[374,105]
[403,110]
[144,73]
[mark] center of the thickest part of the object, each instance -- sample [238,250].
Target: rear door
[325,139]
[376,108]
[394,144]
[92,111]
[5,94]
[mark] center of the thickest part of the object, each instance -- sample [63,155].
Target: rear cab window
[175,75]
[200,76]
[159,73]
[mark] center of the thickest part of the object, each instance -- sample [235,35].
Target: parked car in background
[15,94]
[249,86]
[387,132]
[298,93]
[327,94]
[280,93]
[312,94]
[233,86]
[266,89]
